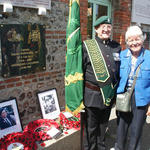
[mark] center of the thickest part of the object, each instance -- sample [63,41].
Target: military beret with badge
[102,20]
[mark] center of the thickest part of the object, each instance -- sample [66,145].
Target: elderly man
[100,66]
[6,120]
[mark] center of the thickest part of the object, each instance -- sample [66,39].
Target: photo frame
[49,104]
[9,117]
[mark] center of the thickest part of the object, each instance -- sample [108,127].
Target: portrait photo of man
[49,104]
[7,119]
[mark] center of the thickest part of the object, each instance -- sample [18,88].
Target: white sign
[29,3]
[141,11]
[15,146]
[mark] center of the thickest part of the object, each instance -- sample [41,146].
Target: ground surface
[111,135]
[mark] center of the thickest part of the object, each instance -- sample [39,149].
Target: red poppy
[69,123]
[18,139]
[39,128]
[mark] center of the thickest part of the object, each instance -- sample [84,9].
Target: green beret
[102,20]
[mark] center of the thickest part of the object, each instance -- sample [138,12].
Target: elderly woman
[130,59]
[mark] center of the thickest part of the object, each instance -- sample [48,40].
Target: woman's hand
[148,111]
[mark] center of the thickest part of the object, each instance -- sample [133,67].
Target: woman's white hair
[133,31]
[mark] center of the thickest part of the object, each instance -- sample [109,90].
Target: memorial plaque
[22,49]
[29,3]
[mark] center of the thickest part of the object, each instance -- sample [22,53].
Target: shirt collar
[105,42]
[129,52]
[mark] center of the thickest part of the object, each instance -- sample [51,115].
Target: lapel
[140,59]
[127,56]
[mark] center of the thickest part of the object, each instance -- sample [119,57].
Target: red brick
[34,80]
[2,87]
[60,32]
[49,32]
[27,82]
[19,84]
[48,37]
[62,37]
[1,82]
[12,80]
[10,85]
[29,76]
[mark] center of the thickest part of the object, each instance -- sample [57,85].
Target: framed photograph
[49,104]
[9,117]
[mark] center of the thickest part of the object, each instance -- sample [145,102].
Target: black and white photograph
[49,104]
[9,117]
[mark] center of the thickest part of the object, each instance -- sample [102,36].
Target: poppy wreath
[69,123]
[14,140]
[39,128]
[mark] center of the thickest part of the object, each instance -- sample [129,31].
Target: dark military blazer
[4,124]
[109,49]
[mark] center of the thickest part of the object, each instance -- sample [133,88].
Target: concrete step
[70,141]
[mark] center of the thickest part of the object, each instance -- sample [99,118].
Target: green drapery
[74,73]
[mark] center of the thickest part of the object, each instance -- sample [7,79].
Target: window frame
[106,3]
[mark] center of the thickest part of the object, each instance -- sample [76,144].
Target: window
[90,20]
[101,11]
[96,9]
[147,40]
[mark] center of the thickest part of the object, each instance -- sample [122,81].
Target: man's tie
[7,120]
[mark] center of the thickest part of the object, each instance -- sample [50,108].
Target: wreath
[69,123]
[39,128]
[18,140]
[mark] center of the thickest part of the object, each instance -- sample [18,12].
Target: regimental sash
[97,60]
[100,69]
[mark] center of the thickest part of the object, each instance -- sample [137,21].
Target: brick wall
[83,18]
[121,19]
[25,87]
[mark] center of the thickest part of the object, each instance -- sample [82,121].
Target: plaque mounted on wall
[22,49]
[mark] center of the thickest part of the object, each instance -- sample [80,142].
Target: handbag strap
[134,81]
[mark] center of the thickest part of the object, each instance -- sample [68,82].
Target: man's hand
[148,111]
